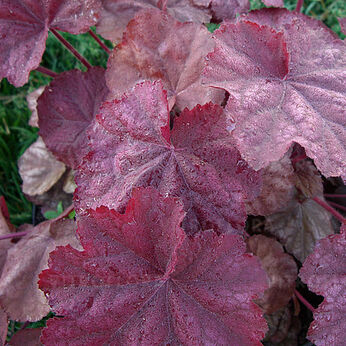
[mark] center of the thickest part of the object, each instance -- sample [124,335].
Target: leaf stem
[14,235]
[299,5]
[336,205]
[304,301]
[47,71]
[71,48]
[330,195]
[326,206]
[102,45]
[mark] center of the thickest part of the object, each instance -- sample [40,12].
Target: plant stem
[326,206]
[299,5]
[47,71]
[330,195]
[336,205]
[102,45]
[14,235]
[304,301]
[71,48]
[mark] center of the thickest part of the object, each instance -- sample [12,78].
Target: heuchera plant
[173,145]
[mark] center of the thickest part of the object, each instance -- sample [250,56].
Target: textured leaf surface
[132,145]
[27,337]
[19,292]
[39,169]
[277,188]
[24,26]
[141,280]
[117,13]
[283,87]
[324,272]
[281,270]
[156,46]
[300,226]
[281,180]
[228,9]
[66,109]
[275,3]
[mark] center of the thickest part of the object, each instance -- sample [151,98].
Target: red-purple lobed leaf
[117,13]
[141,280]
[66,108]
[24,26]
[156,46]
[132,145]
[324,272]
[275,3]
[283,87]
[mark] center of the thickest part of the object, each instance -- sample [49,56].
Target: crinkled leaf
[324,272]
[27,337]
[132,145]
[19,292]
[283,87]
[117,13]
[274,3]
[32,105]
[300,226]
[281,270]
[39,169]
[24,26]
[141,280]
[156,46]
[277,188]
[66,109]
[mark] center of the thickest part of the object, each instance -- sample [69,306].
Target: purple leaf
[141,280]
[284,87]
[132,145]
[65,110]
[325,274]
[24,26]
[156,46]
